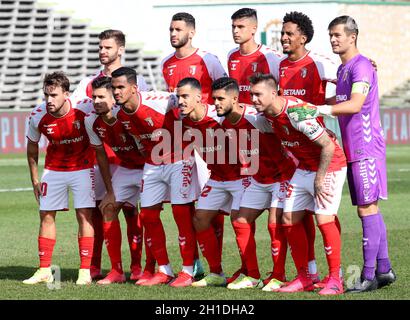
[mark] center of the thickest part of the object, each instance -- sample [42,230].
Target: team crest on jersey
[285,128]
[254,66]
[303,73]
[192,70]
[77,124]
[282,72]
[149,121]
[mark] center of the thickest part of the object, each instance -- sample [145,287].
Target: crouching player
[316,184]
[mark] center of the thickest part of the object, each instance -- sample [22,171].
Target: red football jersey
[69,148]
[213,147]
[299,137]
[155,118]
[274,164]
[241,67]
[201,65]
[307,77]
[115,136]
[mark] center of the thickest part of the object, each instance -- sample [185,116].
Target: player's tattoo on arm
[326,155]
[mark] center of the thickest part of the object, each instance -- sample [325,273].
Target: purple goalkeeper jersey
[362,133]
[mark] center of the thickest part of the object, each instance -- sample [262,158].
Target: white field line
[16,190]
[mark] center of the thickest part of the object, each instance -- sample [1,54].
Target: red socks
[310,229]
[156,239]
[279,246]
[45,251]
[332,243]
[112,236]
[149,257]
[187,238]
[218,227]
[85,245]
[135,238]
[208,243]
[297,240]
[97,221]
[245,238]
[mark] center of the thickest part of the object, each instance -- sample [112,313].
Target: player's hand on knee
[108,202]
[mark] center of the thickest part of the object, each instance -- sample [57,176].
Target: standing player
[149,117]
[357,108]
[316,185]
[69,164]
[188,61]
[111,50]
[250,57]
[103,127]
[310,77]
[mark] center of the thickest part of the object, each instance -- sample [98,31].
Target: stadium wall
[14,125]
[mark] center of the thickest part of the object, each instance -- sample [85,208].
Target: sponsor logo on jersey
[101,132]
[341,97]
[290,144]
[303,73]
[294,92]
[244,88]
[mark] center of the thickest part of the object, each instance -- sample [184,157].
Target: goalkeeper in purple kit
[357,109]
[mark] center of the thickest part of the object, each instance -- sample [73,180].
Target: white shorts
[127,185]
[177,182]
[55,186]
[218,195]
[99,182]
[300,194]
[264,196]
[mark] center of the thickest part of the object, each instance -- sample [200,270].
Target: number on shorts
[205,191]
[289,191]
[43,189]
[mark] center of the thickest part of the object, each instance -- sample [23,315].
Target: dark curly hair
[302,21]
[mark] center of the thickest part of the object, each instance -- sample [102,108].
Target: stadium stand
[35,40]
[399,97]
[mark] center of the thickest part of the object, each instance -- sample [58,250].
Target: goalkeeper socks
[371,243]
[45,251]
[383,261]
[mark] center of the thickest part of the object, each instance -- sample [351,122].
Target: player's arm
[32,159]
[104,167]
[327,149]
[358,96]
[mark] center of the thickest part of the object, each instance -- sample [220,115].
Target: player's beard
[181,42]
[109,60]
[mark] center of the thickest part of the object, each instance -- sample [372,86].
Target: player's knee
[200,222]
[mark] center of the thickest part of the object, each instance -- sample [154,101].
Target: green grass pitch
[19,223]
